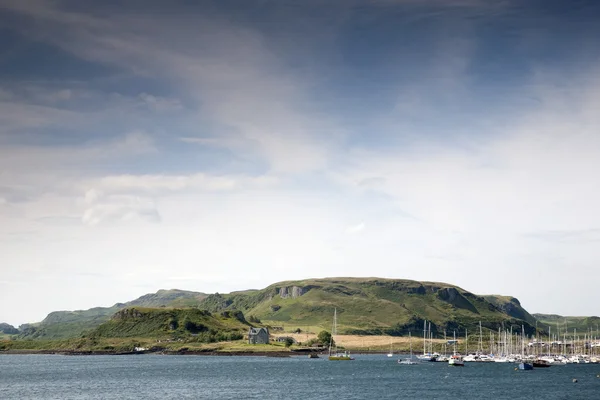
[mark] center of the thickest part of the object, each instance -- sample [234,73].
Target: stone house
[258,336]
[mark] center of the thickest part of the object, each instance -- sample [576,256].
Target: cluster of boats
[536,361]
[506,351]
[525,361]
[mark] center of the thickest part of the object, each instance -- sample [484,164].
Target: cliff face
[292,292]
[511,306]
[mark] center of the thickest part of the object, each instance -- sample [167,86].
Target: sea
[247,377]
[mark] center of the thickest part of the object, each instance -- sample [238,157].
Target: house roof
[256,331]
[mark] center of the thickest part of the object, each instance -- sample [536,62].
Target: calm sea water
[203,377]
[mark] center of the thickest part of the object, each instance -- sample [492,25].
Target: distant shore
[175,353]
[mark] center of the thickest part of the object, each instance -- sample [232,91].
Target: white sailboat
[391,353]
[455,359]
[408,361]
[334,355]
[426,356]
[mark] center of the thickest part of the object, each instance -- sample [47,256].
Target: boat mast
[430,349]
[424,335]
[333,329]
[480,349]
[522,341]
[454,349]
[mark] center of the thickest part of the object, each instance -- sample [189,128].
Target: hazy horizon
[224,145]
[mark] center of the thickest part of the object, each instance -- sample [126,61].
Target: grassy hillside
[185,323]
[369,306]
[511,306]
[65,324]
[562,323]
[364,305]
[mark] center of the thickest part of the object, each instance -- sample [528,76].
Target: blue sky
[226,145]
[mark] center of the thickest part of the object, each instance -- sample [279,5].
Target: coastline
[182,352]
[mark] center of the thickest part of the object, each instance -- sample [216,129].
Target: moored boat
[524,366]
[456,361]
[334,355]
[344,356]
[408,361]
[540,363]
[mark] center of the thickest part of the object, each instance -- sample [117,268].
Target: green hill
[65,324]
[364,306]
[8,329]
[562,323]
[511,306]
[140,322]
[373,306]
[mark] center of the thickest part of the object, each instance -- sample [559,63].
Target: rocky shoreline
[186,352]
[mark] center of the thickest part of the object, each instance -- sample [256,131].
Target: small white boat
[408,361]
[456,359]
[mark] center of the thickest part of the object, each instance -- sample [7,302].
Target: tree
[324,338]
[289,341]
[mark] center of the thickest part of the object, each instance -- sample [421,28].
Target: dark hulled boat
[541,364]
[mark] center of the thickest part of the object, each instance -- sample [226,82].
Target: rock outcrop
[291,292]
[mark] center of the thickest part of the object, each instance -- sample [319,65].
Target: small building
[258,336]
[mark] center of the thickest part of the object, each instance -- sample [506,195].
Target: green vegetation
[190,324]
[372,306]
[367,306]
[66,324]
[324,338]
[160,329]
[511,306]
[555,323]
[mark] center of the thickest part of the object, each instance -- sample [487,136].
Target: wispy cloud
[213,138]
[119,208]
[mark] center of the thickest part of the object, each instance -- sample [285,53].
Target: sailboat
[525,366]
[391,353]
[455,359]
[334,355]
[426,356]
[408,361]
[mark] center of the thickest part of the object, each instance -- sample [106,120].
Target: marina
[508,346]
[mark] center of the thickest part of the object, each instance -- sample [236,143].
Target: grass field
[370,342]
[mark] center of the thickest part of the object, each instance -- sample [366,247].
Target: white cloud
[482,216]
[354,229]
[117,208]
[160,104]
[246,87]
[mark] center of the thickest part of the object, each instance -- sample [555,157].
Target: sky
[225,145]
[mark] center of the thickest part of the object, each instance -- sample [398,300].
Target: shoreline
[279,354]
